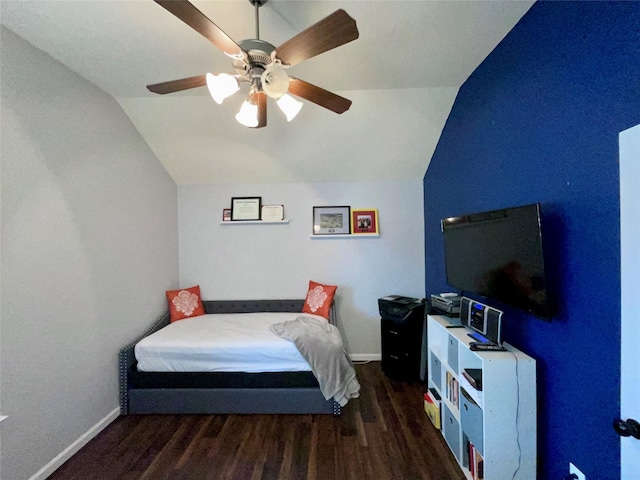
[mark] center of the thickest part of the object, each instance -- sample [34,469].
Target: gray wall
[89,244]
[241,261]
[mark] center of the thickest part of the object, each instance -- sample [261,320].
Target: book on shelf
[453,389]
[479,466]
[475,462]
[456,393]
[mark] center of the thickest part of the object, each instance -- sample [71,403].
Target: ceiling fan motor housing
[261,70]
[258,56]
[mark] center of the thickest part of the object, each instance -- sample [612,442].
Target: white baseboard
[68,452]
[365,357]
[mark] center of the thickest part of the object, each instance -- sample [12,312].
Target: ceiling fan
[263,66]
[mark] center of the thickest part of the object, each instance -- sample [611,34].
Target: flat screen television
[498,255]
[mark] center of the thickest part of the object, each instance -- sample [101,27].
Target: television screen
[498,255]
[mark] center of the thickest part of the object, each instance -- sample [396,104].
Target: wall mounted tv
[498,255]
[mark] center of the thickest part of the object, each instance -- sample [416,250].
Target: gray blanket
[320,343]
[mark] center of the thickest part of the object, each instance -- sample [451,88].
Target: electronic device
[498,255]
[398,308]
[486,321]
[479,338]
[448,303]
[486,347]
[474,377]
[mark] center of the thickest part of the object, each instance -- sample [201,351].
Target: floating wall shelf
[346,235]
[253,222]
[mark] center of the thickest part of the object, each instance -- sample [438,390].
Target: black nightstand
[401,334]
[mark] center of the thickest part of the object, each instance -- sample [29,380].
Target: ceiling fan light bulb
[248,115]
[221,86]
[289,106]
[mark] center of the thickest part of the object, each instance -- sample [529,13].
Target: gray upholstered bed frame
[221,400]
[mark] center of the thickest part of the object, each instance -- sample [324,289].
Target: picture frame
[226,214]
[332,220]
[364,221]
[245,208]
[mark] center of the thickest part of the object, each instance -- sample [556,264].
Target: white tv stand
[499,420]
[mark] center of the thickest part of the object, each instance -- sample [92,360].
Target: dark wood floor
[384,434]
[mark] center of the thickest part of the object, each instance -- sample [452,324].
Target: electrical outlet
[574,469]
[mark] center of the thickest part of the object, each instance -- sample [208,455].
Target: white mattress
[230,342]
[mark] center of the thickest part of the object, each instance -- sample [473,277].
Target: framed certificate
[245,208]
[272,213]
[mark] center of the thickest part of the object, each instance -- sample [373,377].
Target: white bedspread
[230,342]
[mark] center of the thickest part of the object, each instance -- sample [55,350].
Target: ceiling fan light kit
[248,114]
[221,86]
[289,106]
[262,66]
[275,81]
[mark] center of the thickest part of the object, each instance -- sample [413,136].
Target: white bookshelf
[500,419]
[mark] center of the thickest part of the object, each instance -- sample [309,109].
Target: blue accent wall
[538,121]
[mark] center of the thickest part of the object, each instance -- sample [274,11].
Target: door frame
[629,142]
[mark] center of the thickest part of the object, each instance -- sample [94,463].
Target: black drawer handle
[394,357]
[394,332]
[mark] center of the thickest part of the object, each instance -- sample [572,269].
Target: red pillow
[319,299]
[185,303]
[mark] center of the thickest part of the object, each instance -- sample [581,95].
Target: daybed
[221,392]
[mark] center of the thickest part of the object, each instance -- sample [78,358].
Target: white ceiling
[402,75]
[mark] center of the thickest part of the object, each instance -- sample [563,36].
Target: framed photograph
[331,220]
[245,208]
[364,221]
[272,213]
[226,214]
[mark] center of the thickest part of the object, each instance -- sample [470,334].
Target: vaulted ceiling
[402,75]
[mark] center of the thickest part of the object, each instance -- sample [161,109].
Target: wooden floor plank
[384,434]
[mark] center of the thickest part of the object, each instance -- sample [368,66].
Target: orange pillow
[185,303]
[319,299]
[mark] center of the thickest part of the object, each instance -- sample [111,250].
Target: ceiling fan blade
[261,100]
[318,95]
[331,32]
[178,85]
[197,20]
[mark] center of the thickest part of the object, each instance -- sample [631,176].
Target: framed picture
[245,208]
[226,214]
[364,221]
[331,220]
